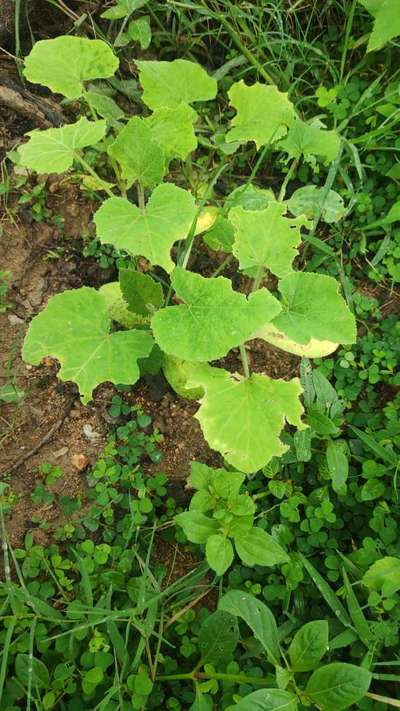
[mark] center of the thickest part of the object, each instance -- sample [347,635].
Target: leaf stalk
[93,173]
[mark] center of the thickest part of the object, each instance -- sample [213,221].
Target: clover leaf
[213,319]
[167,84]
[64,63]
[75,328]
[151,232]
[54,149]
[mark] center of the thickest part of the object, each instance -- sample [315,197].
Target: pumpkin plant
[166,315]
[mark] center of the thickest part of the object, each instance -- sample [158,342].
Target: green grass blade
[356,613]
[375,446]
[327,593]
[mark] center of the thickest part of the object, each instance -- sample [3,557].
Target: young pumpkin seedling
[241,416]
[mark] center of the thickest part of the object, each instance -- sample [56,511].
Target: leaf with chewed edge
[151,232]
[243,418]
[139,155]
[312,308]
[167,84]
[64,63]
[263,113]
[54,149]
[74,327]
[213,318]
[266,238]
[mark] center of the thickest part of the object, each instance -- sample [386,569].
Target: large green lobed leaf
[263,113]
[266,238]
[312,308]
[64,63]
[310,139]
[75,328]
[313,201]
[243,418]
[117,307]
[172,128]
[313,349]
[167,84]
[141,292]
[177,372]
[386,22]
[152,232]
[53,150]
[213,319]
[140,157]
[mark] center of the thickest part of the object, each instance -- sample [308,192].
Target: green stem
[120,181]
[175,677]
[245,362]
[328,184]
[93,173]
[90,107]
[243,355]
[6,559]
[258,279]
[201,676]
[121,31]
[191,235]
[17,19]
[349,26]
[219,17]
[189,170]
[140,193]
[384,128]
[222,266]
[288,177]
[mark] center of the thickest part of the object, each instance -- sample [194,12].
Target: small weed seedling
[220,514]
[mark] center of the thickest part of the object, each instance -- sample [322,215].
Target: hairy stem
[258,279]
[222,266]
[190,238]
[140,193]
[245,362]
[93,173]
[288,177]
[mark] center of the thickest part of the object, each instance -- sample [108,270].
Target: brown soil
[49,424]
[48,406]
